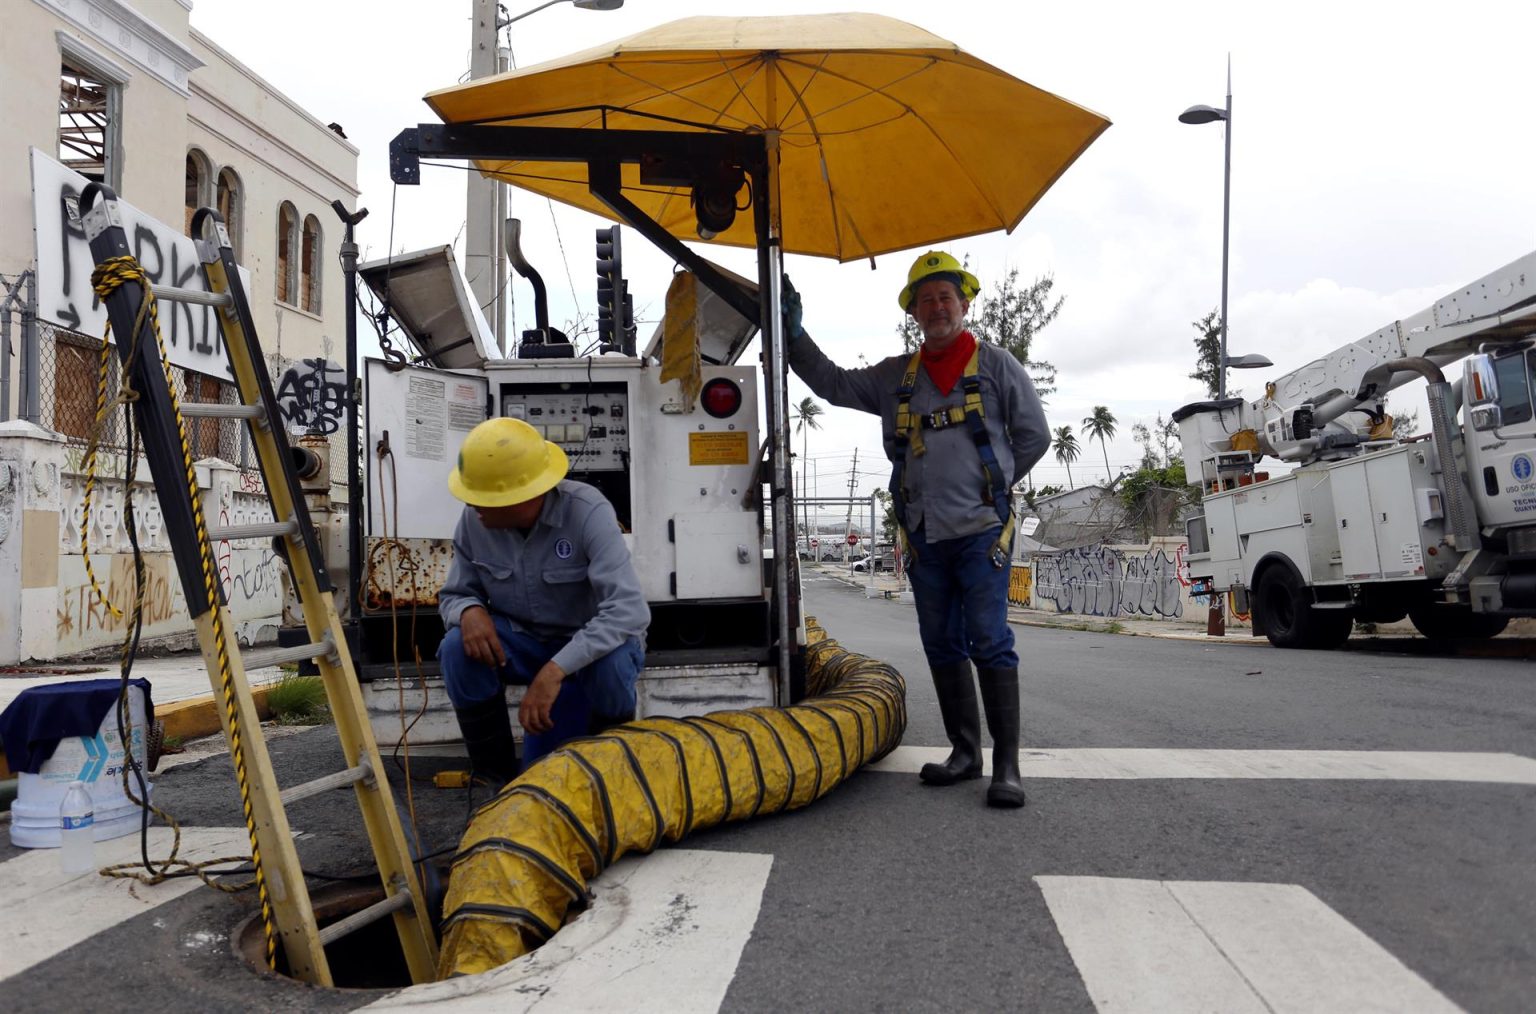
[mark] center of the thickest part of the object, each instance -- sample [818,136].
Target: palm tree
[1065,446]
[805,415]
[1102,425]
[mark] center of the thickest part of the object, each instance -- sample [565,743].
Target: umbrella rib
[821,154]
[929,63]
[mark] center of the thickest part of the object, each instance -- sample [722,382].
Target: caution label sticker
[718,449]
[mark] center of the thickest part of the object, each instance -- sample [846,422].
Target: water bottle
[77,833]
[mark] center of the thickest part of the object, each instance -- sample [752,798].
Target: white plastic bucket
[96,760]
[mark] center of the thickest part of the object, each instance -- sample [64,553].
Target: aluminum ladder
[289,913]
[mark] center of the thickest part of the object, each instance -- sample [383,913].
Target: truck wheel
[1289,621]
[1452,622]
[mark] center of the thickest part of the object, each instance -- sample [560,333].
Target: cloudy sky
[1382,156]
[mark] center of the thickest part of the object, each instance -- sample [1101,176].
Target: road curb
[199,716]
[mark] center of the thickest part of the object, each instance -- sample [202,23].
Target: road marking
[47,911]
[665,934]
[1383,765]
[1148,945]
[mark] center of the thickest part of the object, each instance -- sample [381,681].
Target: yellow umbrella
[888,137]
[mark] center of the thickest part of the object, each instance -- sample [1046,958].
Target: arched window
[230,198]
[287,254]
[309,265]
[199,184]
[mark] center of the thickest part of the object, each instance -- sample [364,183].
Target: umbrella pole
[769,222]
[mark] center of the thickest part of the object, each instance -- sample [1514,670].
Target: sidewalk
[885,585]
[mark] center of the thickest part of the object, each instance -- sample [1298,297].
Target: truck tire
[1285,610]
[1440,622]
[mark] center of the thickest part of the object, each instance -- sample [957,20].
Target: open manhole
[368,958]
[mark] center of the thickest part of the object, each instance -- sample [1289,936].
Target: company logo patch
[1521,467]
[564,549]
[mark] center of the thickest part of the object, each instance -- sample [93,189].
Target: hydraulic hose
[527,856]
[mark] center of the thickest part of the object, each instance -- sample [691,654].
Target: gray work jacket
[570,577]
[945,485]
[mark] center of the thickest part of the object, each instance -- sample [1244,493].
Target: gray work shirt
[570,577]
[944,485]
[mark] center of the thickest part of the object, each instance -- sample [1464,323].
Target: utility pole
[483,250]
[853,478]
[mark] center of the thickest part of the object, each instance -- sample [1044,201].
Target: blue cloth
[962,601]
[605,689]
[34,723]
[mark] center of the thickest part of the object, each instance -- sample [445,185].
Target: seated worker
[542,593]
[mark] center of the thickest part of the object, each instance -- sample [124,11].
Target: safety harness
[909,433]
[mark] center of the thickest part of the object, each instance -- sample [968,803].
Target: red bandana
[944,368]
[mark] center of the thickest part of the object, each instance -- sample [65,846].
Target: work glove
[789,303]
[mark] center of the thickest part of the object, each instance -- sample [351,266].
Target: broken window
[309,265]
[198,185]
[231,205]
[89,110]
[287,254]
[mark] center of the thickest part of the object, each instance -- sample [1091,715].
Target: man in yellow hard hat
[962,425]
[541,592]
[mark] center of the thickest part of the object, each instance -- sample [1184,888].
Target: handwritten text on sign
[64,267]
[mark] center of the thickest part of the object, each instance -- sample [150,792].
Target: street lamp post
[485,201]
[1207,114]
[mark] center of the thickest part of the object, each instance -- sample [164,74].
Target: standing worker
[542,593]
[962,424]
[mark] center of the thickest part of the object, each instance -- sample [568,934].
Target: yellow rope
[106,279]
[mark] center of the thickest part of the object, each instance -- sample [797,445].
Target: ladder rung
[264,530]
[373,913]
[199,296]
[263,657]
[361,773]
[217,410]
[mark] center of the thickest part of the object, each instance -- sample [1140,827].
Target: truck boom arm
[1299,416]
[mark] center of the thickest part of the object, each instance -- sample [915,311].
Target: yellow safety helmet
[505,462]
[937,262]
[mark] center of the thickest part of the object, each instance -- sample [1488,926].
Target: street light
[1209,114]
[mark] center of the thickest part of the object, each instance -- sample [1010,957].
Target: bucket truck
[1368,526]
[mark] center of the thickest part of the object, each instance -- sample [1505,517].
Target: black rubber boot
[957,704]
[487,730]
[1000,697]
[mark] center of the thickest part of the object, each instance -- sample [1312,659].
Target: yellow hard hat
[505,462]
[937,262]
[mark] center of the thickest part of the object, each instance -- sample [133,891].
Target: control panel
[590,422]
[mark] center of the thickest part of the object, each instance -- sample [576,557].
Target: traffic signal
[610,287]
[627,344]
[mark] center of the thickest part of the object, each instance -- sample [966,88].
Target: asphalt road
[887,895]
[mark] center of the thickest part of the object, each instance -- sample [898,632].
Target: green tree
[1156,442]
[1102,425]
[1208,351]
[1065,446]
[1008,317]
[1156,496]
[806,416]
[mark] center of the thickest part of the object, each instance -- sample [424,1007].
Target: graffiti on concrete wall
[1102,580]
[312,396]
[1019,584]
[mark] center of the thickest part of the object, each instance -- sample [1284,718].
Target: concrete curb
[195,717]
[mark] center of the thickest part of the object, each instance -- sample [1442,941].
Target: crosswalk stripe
[1149,945]
[48,911]
[1384,765]
[665,934]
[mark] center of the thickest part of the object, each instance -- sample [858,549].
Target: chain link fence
[69,371]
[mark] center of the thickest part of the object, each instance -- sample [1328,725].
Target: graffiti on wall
[1019,584]
[1101,580]
[312,396]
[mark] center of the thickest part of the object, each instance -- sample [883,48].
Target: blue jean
[604,690]
[962,601]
